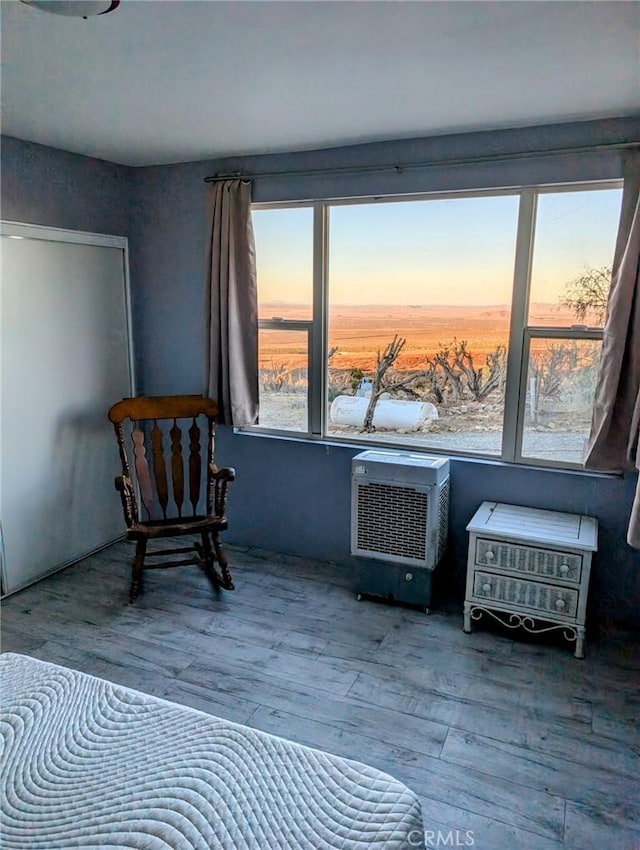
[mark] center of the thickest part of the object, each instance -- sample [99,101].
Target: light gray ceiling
[158,82]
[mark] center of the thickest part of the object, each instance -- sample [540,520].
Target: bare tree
[547,371]
[418,384]
[336,383]
[384,361]
[452,379]
[434,382]
[588,294]
[462,376]
[480,383]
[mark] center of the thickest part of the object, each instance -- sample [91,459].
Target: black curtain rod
[400,167]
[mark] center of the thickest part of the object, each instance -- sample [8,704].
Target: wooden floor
[518,742]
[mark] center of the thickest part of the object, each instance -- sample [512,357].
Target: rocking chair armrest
[122,483]
[219,480]
[124,486]
[226,473]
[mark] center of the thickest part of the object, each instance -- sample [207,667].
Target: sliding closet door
[65,358]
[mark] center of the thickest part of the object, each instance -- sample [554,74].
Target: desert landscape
[468,417]
[358,332]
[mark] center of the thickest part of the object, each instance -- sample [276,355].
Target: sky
[449,252]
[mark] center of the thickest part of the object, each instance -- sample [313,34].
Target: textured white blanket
[89,764]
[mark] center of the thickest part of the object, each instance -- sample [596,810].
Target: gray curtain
[232,304]
[614,442]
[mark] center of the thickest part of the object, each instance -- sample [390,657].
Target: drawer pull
[560,604]
[486,588]
[489,555]
[564,569]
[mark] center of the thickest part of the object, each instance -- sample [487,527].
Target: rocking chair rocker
[165,519]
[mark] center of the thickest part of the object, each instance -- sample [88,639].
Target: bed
[89,764]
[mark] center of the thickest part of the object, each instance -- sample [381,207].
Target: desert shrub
[280,378]
[453,373]
[549,368]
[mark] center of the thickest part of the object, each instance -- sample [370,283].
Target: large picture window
[467,323]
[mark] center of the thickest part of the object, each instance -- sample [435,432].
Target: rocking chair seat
[168,475]
[175,528]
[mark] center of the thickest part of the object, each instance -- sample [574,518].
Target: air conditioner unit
[399,514]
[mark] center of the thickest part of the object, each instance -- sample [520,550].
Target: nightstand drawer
[559,601]
[531,560]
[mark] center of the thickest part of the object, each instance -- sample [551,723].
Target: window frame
[520,331]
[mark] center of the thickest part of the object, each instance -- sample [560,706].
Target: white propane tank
[390,414]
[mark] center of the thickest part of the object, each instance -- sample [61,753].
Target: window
[467,323]
[284,245]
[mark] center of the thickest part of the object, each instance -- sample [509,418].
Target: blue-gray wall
[42,185]
[292,496]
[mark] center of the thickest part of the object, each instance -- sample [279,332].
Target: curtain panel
[614,441]
[232,304]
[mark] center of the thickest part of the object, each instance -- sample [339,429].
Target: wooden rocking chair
[153,470]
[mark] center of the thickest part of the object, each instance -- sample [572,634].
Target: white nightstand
[530,568]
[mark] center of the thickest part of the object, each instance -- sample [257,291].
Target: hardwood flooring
[514,740]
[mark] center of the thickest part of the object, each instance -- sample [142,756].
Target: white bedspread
[86,763]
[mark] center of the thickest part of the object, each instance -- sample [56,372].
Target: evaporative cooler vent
[392,520]
[399,507]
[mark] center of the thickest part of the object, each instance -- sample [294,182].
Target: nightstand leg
[467,618]
[580,632]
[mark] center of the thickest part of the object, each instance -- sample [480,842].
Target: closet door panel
[65,360]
